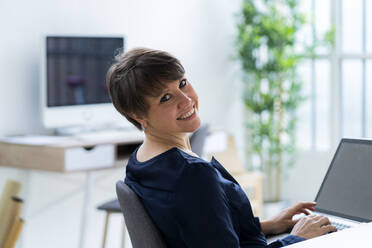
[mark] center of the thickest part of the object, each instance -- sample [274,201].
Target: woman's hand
[283,221]
[312,226]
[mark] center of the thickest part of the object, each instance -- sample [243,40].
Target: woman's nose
[184,101]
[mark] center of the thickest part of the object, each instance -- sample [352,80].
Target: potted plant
[269,55]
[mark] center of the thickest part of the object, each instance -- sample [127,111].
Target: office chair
[142,231]
[198,138]
[111,207]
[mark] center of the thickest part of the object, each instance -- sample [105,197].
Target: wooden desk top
[69,154]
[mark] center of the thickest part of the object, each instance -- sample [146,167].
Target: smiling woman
[174,110]
[193,202]
[149,88]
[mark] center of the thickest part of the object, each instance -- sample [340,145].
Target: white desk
[360,236]
[69,155]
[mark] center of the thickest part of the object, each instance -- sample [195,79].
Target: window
[314,118]
[338,82]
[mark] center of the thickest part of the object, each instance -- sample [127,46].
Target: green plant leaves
[272,88]
[266,42]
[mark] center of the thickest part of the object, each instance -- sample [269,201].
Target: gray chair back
[142,231]
[198,138]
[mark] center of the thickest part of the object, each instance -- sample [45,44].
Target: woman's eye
[165,98]
[183,83]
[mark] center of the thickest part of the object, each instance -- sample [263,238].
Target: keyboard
[340,226]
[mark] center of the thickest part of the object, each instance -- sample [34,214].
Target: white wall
[200,33]
[302,181]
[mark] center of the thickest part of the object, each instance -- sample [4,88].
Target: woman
[193,202]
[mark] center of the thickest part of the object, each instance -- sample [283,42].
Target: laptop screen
[347,187]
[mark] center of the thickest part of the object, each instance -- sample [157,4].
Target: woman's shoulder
[189,158]
[173,155]
[174,162]
[168,169]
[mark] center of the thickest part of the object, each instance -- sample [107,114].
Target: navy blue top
[196,203]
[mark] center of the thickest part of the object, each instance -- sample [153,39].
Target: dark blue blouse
[196,203]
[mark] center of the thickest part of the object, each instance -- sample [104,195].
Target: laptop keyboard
[340,226]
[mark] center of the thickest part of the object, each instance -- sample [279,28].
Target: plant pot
[271,184]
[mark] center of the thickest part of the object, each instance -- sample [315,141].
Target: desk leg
[85,210]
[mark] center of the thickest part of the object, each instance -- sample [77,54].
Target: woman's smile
[189,115]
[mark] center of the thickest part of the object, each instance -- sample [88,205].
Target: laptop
[345,196]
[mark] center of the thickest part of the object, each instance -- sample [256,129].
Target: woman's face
[175,110]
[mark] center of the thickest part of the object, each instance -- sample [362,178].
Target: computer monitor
[73,87]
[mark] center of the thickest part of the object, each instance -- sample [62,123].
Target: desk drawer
[80,158]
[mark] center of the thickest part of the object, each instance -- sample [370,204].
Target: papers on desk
[36,140]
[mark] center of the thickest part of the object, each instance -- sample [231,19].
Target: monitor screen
[76,69]
[346,189]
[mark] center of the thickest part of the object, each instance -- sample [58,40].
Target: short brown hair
[138,73]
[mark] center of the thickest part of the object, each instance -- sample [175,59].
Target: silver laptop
[345,195]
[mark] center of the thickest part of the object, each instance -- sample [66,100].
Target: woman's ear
[141,120]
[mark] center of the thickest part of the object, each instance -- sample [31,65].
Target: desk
[360,236]
[69,155]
